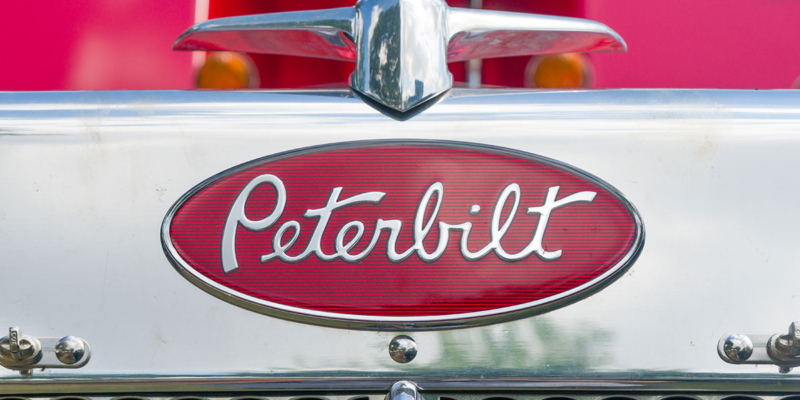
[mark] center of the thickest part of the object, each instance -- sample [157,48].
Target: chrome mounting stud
[403,349]
[25,353]
[782,350]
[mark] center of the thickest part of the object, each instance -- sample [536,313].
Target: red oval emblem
[402,234]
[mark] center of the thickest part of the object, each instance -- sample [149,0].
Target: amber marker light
[559,71]
[226,70]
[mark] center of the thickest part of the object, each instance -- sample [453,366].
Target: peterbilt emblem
[402,235]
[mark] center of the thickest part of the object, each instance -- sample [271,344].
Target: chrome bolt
[404,390]
[70,350]
[403,349]
[738,348]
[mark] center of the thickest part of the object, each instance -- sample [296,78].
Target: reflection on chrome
[401,47]
[683,156]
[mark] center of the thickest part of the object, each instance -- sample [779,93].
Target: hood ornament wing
[320,34]
[401,47]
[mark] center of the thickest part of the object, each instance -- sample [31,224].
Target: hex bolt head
[738,348]
[403,349]
[70,350]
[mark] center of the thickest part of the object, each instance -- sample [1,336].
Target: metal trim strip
[762,384]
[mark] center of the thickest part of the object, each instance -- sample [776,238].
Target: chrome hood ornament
[401,47]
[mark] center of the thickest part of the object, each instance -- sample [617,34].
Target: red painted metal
[594,237]
[94,44]
[743,44]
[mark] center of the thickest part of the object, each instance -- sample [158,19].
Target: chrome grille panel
[437,396]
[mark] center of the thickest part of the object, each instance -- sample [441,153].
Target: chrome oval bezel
[451,321]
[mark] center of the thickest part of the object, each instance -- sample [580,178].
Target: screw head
[403,349]
[70,350]
[738,348]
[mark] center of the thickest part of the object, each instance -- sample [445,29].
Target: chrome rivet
[70,350]
[738,348]
[403,349]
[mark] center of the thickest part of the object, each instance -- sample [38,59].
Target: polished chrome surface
[320,34]
[19,352]
[403,349]
[487,34]
[92,175]
[70,350]
[353,395]
[13,343]
[782,350]
[786,348]
[453,388]
[401,47]
[737,347]
[19,348]
[25,353]
[404,390]
[402,51]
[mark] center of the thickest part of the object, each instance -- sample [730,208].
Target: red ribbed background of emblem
[594,237]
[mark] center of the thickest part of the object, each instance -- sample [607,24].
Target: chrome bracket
[781,349]
[404,390]
[25,353]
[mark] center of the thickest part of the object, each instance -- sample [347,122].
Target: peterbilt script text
[421,228]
